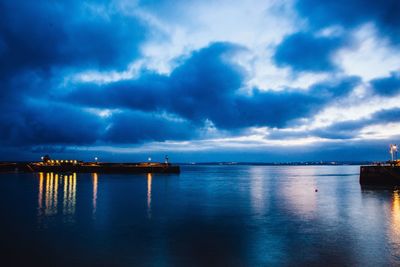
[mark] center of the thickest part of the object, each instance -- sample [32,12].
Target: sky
[226,80]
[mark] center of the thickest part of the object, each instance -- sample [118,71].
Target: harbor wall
[380,175]
[91,168]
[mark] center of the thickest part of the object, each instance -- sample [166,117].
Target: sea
[215,215]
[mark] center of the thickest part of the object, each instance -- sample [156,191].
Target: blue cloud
[350,129]
[389,115]
[305,52]
[43,35]
[40,42]
[139,127]
[195,90]
[35,123]
[279,109]
[387,86]
[349,14]
[206,87]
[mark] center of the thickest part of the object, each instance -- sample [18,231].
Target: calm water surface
[206,216]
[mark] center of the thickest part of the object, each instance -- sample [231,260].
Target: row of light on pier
[62,161]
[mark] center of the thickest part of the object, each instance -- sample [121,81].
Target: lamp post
[393,152]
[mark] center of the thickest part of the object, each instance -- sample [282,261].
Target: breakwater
[88,167]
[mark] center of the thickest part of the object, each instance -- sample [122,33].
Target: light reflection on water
[51,193]
[40,195]
[149,178]
[206,216]
[258,190]
[95,178]
[300,194]
[54,183]
[395,218]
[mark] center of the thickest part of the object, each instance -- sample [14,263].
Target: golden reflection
[55,195]
[95,181]
[50,203]
[69,202]
[48,189]
[65,193]
[395,217]
[40,195]
[149,178]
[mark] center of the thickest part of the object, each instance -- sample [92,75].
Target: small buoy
[316,190]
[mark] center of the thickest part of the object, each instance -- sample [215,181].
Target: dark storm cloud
[138,127]
[203,87]
[387,86]
[41,41]
[43,123]
[278,109]
[384,14]
[46,123]
[306,52]
[40,35]
[206,87]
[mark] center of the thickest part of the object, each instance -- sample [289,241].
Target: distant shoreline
[232,163]
[305,163]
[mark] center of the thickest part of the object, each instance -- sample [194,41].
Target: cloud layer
[101,74]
